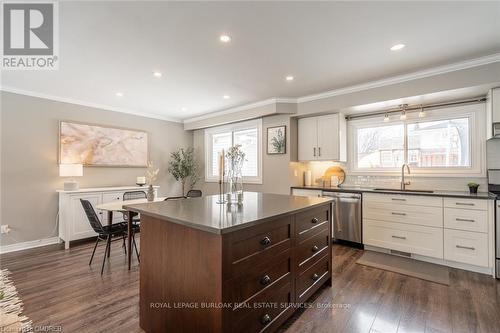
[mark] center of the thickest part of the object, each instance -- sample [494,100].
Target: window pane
[248,139]
[381,146]
[219,141]
[443,143]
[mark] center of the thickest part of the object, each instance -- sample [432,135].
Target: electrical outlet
[4,229]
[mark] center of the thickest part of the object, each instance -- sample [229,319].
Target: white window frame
[477,142]
[251,124]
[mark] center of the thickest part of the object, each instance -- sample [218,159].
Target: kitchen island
[207,267]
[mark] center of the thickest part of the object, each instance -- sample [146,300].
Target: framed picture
[96,145]
[276,140]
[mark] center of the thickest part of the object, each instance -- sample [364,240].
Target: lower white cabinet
[73,223]
[453,231]
[422,240]
[466,247]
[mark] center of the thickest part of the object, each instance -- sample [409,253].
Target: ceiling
[110,47]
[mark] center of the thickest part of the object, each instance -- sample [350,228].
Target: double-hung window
[248,134]
[445,141]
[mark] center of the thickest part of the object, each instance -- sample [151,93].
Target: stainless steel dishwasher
[346,216]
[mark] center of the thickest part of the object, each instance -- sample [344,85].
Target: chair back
[175,198]
[133,195]
[94,221]
[194,194]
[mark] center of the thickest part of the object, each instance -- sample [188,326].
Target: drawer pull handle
[465,247]
[265,241]
[315,277]
[464,220]
[464,204]
[265,280]
[315,248]
[266,319]
[400,214]
[315,220]
[398,237]
[398,199]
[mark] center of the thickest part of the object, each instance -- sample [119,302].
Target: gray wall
[278,176]
[29,169]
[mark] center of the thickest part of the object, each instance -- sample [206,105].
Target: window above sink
[446,142]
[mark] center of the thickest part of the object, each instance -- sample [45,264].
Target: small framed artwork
[276,140]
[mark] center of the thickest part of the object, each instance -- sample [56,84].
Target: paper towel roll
[308,178]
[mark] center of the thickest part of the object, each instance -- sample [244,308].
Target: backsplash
[417,183]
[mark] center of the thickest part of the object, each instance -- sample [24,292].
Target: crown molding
[245,107]
[88,104]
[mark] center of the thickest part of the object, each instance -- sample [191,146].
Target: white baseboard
[29,245]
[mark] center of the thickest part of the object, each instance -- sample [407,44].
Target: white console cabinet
[73,223]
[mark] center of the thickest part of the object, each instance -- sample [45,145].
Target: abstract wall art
[95,145]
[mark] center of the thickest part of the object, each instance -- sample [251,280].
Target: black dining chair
[194,194]
[106,233]
[133,195]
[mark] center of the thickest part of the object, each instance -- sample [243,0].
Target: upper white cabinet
[495,104]
[322,138]
[493,113]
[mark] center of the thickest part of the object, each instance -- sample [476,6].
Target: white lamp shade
[70,170]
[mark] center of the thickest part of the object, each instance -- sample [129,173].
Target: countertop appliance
[346,216]
[493,163]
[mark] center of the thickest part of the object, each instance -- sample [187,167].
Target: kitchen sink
[400,190]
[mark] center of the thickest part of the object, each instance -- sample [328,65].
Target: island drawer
[313,219]
[310,250]
[311,279]
[248,248]
[267,276]
[264,313]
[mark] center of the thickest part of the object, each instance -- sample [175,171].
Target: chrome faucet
[403,182]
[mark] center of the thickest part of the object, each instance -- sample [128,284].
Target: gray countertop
[206,214]
[356,189]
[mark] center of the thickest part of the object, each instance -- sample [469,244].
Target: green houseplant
[473,187]
[183,167]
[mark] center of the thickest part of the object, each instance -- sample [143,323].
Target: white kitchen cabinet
[466,247]
[495,104]
[73,223]
[322,138]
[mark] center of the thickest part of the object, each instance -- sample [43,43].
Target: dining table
[117,206]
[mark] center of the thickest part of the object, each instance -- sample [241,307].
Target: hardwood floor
[58,288]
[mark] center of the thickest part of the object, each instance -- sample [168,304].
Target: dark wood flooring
[58,288]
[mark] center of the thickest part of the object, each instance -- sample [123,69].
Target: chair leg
[135,246]
[93,252]
[109,248]
[123,245]
[105,252]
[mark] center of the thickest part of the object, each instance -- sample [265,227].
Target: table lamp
[70,170]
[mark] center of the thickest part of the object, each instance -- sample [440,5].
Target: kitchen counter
[357,189]
[206,214]
[207,267]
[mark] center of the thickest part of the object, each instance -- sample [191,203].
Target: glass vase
[234,194]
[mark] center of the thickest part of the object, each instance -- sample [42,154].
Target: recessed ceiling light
[397,47]
[119,94]
[184,108]
[289,78]
[225,38]
[226,97]
[157,74]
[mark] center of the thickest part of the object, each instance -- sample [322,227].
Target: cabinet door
[308,139]
[495,104]
[80,226]
[328,137]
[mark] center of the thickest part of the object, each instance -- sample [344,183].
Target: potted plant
[151,175]
[473,187]
[183,167]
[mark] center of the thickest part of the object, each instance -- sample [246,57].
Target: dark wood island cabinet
[207,267]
